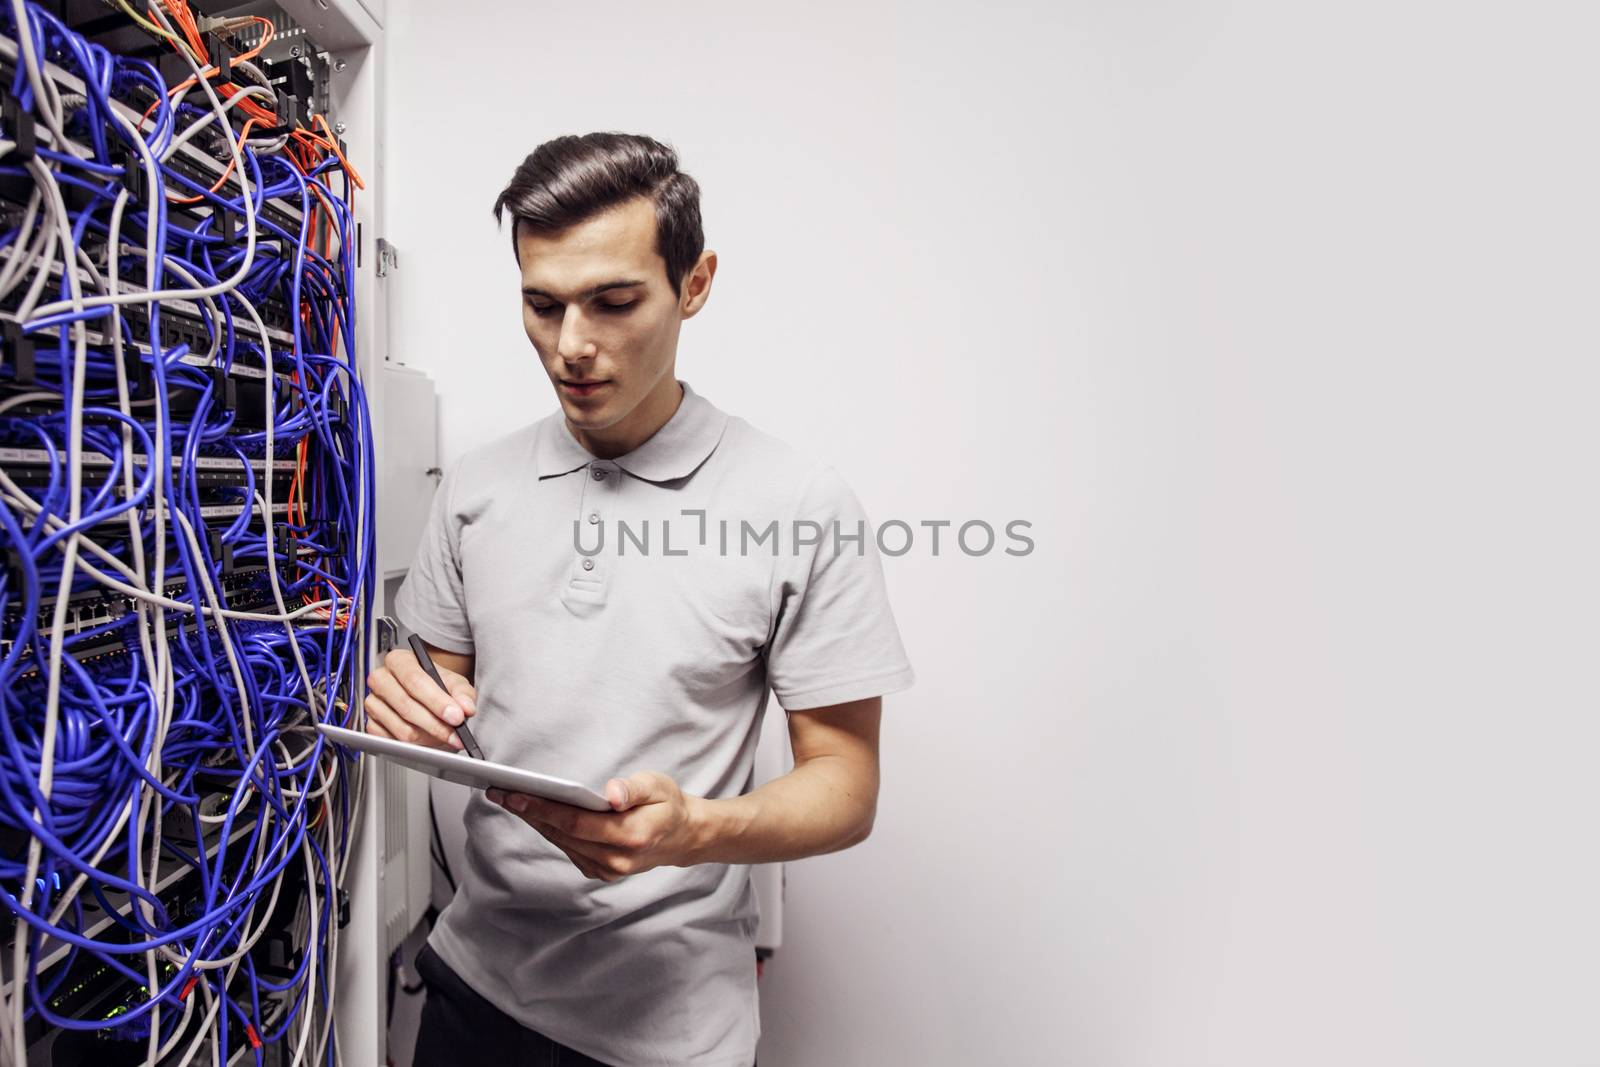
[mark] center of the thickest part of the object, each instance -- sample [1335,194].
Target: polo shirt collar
[674,451]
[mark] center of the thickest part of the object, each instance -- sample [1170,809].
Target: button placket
[601,484]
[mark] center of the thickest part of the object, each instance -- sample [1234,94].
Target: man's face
[600,311]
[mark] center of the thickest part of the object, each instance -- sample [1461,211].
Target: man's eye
[543,310]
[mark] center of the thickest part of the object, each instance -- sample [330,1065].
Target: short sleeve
[431,601]
[834,637]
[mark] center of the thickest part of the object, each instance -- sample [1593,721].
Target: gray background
[1277,321]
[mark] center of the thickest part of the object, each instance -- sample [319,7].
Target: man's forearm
[823,805]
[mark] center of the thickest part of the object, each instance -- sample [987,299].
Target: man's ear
[697,283]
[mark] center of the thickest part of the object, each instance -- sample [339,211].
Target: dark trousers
[461,1029]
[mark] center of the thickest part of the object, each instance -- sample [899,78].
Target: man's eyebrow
[596,290]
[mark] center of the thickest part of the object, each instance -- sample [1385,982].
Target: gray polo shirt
[630,614]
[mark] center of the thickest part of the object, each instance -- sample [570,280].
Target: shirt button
[588,564]
[593,518]
[599,475]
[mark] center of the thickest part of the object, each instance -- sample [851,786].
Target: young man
[609,594]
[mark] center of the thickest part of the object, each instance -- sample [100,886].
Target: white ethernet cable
[153,650]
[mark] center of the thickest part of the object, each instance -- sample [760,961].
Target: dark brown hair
[570,179]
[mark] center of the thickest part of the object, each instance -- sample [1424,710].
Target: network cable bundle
[186,537]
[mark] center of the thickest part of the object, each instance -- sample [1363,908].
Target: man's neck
[641,424]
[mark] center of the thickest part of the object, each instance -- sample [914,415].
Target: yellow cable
[127,9]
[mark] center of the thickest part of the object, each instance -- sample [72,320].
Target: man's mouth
[585,387]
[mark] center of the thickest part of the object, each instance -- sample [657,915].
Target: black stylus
[420,650]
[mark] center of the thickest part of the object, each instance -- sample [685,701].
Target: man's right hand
[404,703]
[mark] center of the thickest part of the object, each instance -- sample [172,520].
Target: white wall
[1276,320]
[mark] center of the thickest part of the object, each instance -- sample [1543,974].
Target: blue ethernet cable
[110,728]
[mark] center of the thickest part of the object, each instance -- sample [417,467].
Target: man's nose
[573,343]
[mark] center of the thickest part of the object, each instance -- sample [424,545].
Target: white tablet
[459,767]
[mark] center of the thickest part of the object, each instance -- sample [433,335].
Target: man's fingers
[599,828]
[646,787]
[460,690]
[387,686]
[425,692]
[381,718]
[593,860]
[586,866]
[606,837]
[434,729]
[566,843]
[601,841]
[406,720]
[405,669]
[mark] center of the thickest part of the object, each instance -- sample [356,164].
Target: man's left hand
[650,825]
